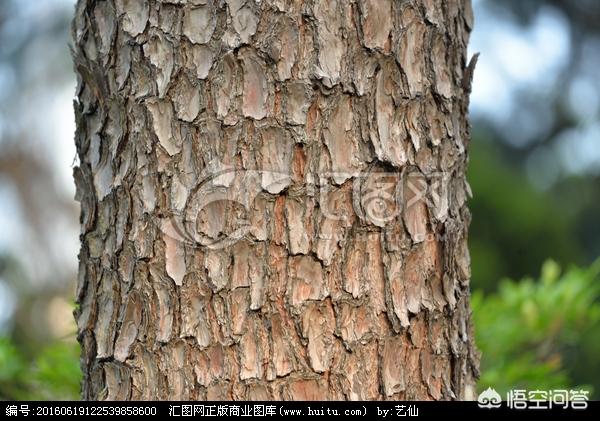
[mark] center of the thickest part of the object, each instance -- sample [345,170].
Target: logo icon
[489,398]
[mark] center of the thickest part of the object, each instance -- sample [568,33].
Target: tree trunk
[273,199]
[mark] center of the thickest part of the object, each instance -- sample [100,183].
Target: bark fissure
[273,199]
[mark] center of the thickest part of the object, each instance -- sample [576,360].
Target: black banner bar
[377,410]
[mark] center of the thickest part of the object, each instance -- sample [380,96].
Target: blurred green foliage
[515,227]
[51,374]
[532,333]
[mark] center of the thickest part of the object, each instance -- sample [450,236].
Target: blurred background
[534,171]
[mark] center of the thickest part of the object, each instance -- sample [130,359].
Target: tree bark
[273,199]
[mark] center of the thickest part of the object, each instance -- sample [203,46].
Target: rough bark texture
[238,240]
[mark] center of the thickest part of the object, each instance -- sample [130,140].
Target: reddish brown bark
[273,199]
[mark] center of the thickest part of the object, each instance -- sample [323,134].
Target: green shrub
[532,332]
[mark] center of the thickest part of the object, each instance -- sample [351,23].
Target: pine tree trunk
[273,199]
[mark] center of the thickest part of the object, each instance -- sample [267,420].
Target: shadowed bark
[273,199]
